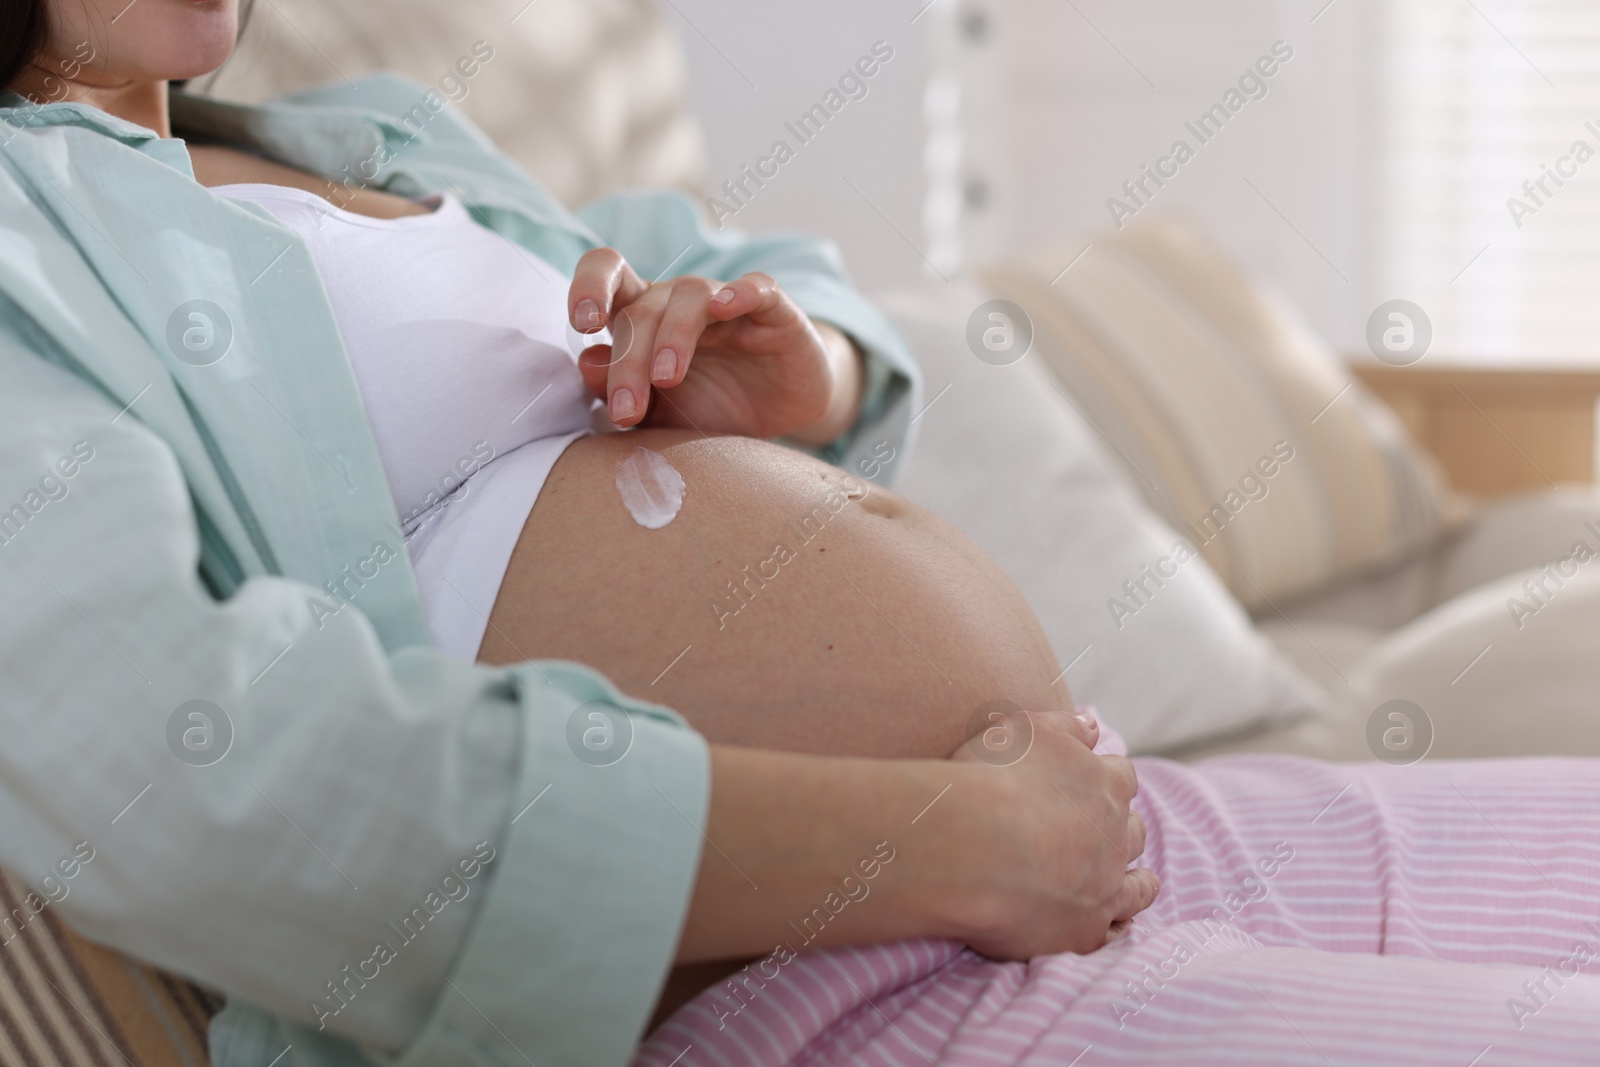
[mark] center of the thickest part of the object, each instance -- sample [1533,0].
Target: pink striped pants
[1311,913]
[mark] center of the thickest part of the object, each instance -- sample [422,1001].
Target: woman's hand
[694,353]
[1056,878]
[1017,861]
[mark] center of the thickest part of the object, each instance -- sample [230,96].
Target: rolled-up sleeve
[428,860]
[663,234]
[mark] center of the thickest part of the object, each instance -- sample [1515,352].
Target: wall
[754,67]
[1062,102]
[1094,89]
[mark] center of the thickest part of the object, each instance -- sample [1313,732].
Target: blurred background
[1378,166]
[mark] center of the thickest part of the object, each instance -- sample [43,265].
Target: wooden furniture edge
[1444,376]
[1494,430]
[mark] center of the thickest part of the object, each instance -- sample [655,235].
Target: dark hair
[24,30]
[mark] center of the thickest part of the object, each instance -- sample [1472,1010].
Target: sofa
[1480,612]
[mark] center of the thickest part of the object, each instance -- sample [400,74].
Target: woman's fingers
[1090,725]
[654,329]
[1124,780]
[594,363]
[627,394]
[1136,834]
[652,343]
[1072,723]
[603,286]
[682,323]
[657,328]
[760,299]
[1139,889]
[602,282]
[1069,841]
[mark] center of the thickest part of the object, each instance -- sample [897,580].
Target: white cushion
[1329,653]
[1332,653]
[1517,532]
[1493,681]
[1499,682]
[1003,456]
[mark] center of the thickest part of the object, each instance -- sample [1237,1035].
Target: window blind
[1488,198]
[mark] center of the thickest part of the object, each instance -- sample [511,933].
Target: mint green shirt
[377,853]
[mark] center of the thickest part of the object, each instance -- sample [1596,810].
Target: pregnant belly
[787,605]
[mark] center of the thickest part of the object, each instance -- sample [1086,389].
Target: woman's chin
[197,62]
[175,40]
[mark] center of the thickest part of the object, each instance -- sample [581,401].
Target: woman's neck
[141,102]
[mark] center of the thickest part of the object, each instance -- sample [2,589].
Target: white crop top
[460,346]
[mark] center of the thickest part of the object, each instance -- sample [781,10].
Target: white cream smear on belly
[651,488]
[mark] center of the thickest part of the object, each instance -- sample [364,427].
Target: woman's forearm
[813,851]
[1026,857]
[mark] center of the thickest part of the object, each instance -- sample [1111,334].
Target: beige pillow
[587,95]
[1240,426]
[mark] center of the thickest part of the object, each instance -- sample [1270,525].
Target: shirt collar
[336,142]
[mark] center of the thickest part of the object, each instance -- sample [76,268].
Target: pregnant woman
[320,581]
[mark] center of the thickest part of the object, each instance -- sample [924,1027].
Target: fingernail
[587,314]
[666,365]
[724,296]
[621,405]
[1087,720]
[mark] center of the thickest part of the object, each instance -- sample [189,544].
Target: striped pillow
[1240,426]
[67,1002]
